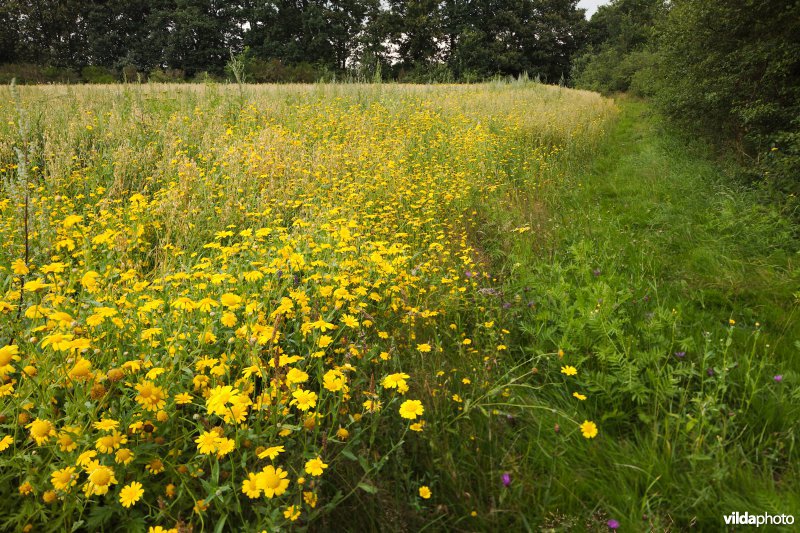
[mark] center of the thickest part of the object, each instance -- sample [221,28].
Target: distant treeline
[287,40]
[728,69]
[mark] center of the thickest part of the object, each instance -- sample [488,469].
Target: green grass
[648,252]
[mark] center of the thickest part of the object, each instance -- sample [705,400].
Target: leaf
[221,524]
[366,487]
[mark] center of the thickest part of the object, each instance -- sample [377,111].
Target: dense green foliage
[730,70]
[293,40]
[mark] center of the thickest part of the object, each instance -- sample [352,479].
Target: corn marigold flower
[569,370]
[589,429]
[292,513]
[250,486]
[100,479]
[272,481]
[130,494]
[411,409]
[424,492]
[64,479]
[207,442]
[303,399]
[271,452]
[315,466]
[150,396]
[5,442]
[41,430]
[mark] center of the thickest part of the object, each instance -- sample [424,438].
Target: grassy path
[675,294]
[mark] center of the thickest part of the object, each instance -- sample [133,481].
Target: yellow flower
[155,466]
[207,442]
[411,409]
[9,353]
[26,488]
[41,430]
[334,380]
[569,370]
[109,443]
[424,348]
[304,399]
[250,486]
[183,398]
[271,452]
[396,381]
[231,301]
[225,446]
[272,481]
[424,492]
[106,424]
[292,513]
[315,466]
[150,396]
[19,267]
[310,498]
[589,429]
[5,442]
[123,456]
[130,494]
[579,396]
[100,479]
[64,479]
[296,376]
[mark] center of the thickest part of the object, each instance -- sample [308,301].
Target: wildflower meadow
[363,307]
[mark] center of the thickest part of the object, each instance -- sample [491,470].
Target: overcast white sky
[591,6]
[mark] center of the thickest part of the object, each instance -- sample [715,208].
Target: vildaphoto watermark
[764,519]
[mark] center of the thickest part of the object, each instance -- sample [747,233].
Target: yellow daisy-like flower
[424,348]
[5,442]
[225,446]
[579,396]
[271,452]
[395,381]
[130,494]
[334,380]
[41,430]
[315,466]
[123,456]
[207,442]
[424,492]
[106,424]
[303,399]
[183,398]
[150,396]
[569,370]
[292,513]
[100,479]
[411,409]
[272,481]
[250,486]
[64,479]
[589,429]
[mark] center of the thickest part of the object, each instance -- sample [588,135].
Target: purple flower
[506,479]
[680,354]
[596,272]
[710,371]
[468,274]
[613,524]
[778,378]
[507,305]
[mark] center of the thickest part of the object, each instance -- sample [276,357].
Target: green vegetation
[729,71]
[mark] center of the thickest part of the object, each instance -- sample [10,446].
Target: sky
[591,6]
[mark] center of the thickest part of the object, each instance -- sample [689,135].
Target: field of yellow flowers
[244,307]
